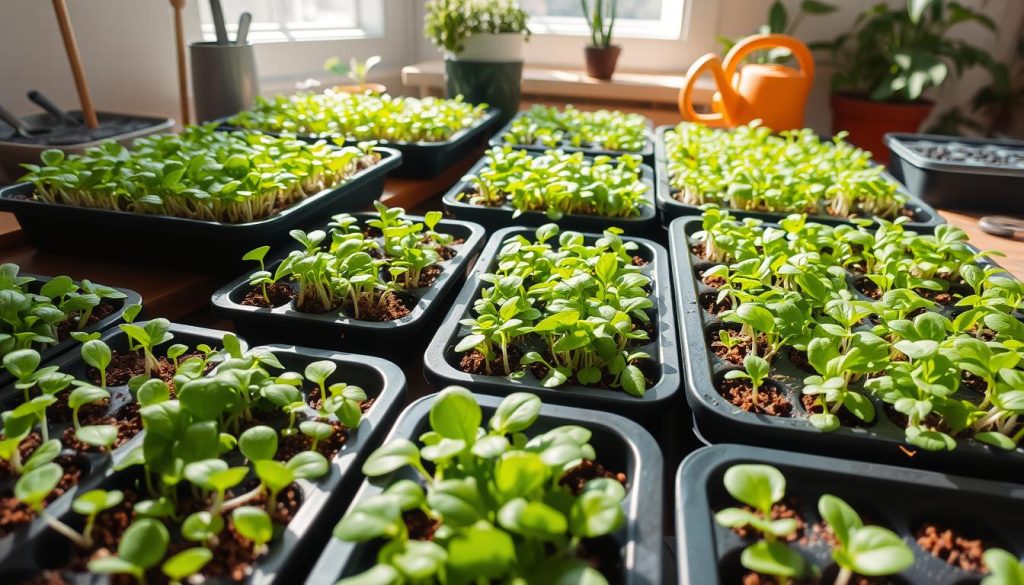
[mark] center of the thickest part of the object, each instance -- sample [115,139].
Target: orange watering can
[775,94]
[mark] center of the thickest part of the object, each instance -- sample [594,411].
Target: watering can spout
[775,94]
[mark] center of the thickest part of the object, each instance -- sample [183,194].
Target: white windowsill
[542,81]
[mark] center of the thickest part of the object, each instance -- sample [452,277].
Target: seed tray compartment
[566,146]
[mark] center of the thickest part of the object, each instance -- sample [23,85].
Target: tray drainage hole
[771,399]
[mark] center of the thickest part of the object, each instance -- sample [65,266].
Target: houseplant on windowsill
[483,43]
[602,55]
[885,64]
[357,72]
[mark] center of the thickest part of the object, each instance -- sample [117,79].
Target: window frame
[369,23]
[668,27]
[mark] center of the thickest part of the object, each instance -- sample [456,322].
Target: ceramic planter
[198,244]
[924,218]
[620,444]
[601,61]
[291,554]
[966,184]
[338,329]
[718,421]
[868,121]
[902,500]
[441,362]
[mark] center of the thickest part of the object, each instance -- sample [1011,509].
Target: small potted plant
[884,66]
[357,72]
[601,54]
[483,43]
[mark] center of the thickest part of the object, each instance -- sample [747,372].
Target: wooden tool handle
[179,41]
[75,60]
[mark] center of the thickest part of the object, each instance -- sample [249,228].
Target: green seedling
[871,551]
[143,545]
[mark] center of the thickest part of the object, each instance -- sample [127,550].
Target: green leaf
[532,519]
[144,543]
[777,17]
[318,372]
[253,523]
[817,7]
[917,8]
[482,552]
[875,551]
[374,518]
[633,381]
[274,474]
[758,486]
[97,435]
[378,575]
[519,474]
[258,443]
[34,486]
[516,413]
[774,558]
[595,513]
[457,501]
[455,414]
[309,465]
[392,455]
[201,526]
[841,518]
[95,501]
[186,563]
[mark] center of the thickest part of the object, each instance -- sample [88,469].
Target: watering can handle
[803,56]
[709,62]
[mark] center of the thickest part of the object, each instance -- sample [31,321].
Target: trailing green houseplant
[501,501]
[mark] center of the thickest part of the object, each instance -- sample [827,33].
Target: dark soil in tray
[953,152]
[99,312]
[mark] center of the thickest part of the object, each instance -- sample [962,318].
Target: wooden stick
[75,60]
[179,40]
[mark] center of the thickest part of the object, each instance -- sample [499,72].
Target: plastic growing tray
[494,218]
[959,185]
[709,554]
[441,361]
[336,328]
[719,421]
[57,349]
[621,445]
[96,466]
[199,244]
[923,218]
[647,153]
[421,160]
[292,553]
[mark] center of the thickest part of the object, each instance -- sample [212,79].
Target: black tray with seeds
[494,218]
[200,245]
[293,550]
[420,160]
[959,173]
[336,328]
[621,445]
[567,146]
[978,514]
[442,363]
[923,218]
[717,420]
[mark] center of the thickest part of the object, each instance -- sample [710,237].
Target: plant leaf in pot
[483,45]
[878,84]
[602,55]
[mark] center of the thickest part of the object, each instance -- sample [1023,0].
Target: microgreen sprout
[871,551]
[601,130]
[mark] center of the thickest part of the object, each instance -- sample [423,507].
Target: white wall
[128,49]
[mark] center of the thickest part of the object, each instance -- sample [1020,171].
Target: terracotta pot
[601,61]
[374,88]
[868,121]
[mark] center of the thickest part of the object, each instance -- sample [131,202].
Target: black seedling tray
[96,465]
[923,218]
[57,349]
[709,554]
[200,245]
[321,501]
[719,421]
[565,146]
[621,445]
[336,328]
[494,218]
[441,361]
[959,185]
[420,160]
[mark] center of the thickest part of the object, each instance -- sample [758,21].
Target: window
[296,20]
[651,19]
